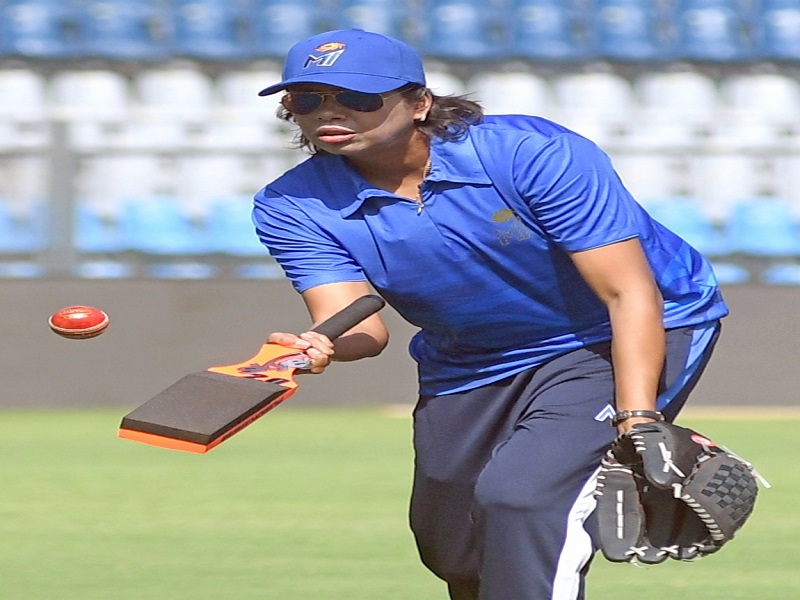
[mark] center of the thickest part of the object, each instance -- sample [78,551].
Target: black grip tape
[350,316]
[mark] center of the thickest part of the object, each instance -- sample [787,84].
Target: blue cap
[352,59]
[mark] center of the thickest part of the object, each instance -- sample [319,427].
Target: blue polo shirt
[493,292]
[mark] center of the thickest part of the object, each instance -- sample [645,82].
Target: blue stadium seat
[100,244]
[631,30]
[266,269]
[38,29]
[21,269]
[784,273]
[713,30]
[547,30]
[779,30]
[230,228]
[210,29]
[123,30]
[158,225]
[181,270]
[462,30]
[20,233]
[686,216]
[20,238]
[764,227]
[279,24]
[730,273]
[96,232]
[388,17]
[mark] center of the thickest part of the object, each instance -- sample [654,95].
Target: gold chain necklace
[425,172]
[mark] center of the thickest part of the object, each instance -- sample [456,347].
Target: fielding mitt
[665,491]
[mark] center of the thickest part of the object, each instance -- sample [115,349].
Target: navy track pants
[502,502]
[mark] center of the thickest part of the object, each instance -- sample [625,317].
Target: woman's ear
[423,107]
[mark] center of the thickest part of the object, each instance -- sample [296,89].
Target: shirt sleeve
[574,193]
[307,253]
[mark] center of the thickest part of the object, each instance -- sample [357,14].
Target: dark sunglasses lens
[302,103]
[360,101]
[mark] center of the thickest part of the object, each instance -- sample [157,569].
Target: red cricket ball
[79,322]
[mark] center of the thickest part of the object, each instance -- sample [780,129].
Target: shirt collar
[451,161]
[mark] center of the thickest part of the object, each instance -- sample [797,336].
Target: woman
[547,300]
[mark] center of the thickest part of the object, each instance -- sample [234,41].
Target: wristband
[624,415]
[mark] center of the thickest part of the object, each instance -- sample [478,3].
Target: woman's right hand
[317,347]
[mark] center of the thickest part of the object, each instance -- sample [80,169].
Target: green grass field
[304,505]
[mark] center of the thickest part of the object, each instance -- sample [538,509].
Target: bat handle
[350,316]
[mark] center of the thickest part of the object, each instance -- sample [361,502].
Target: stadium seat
[104,269]
[517,92]
[549,30]
[764,227]
[758,109]
[722,178]
[630,30]
[783,273]
[181,270]
[230,227]
[105,181]
[778,36]
[686,216]
[265,269]
[443,82]
[173,247]
[279,24]
[23,110]
[210,29]
[231,233]
[90,95]
[97,231]
[38,29]
[597,104]
[212,174]
[23,95]
[388,17]
[159,226]
[786,177]
[461,30]
[713,30]
[122,30]
[237,95]
[730,273]
[674,109]
[173,94]
[21,269]
[648,176]
[99,241]
[20,233]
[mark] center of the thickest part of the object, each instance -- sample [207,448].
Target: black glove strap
[624,415]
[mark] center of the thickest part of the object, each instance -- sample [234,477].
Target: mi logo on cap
[330,53]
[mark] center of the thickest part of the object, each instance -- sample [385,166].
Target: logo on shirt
[510,227]
[325,55]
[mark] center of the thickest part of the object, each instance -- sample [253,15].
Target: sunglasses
[304,103]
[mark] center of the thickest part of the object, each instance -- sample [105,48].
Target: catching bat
[204,409]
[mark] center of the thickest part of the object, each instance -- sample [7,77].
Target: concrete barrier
[161,330]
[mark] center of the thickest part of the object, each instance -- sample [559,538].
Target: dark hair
[449,117]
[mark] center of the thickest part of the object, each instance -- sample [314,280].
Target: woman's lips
[334,135]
